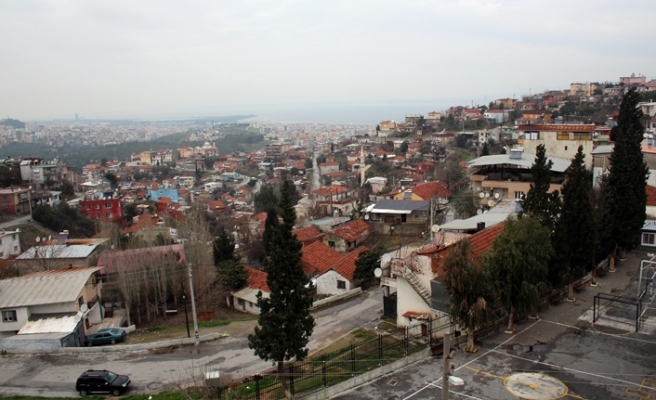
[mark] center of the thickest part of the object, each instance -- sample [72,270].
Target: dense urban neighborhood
[312,246]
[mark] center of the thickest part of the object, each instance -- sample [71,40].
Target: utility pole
[431,220]
[193,305]
[446,370]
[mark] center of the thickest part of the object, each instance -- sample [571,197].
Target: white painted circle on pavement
[535,386]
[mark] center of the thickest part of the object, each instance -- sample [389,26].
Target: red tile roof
[306,234]
[318,258]
[329,164]
[431,189]
[417,315]
[257,279]
[334,190]
[651,196]
[555,128]
[352,231]
[216,205]
[346,266]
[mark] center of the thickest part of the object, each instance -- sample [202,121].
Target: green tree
[223,248]
[271,224]
[232,274]
[486,150]
[111,177]
[404,147]
[285,324]
[517,263]
[468,287]
[461,141]
[308,163]
[365,264]
[464,204]
[265,199]
[67,190]
[627,179]
[539,203]
[575,230]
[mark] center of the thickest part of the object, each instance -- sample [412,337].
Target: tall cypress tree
[285,324]
[576,226]
[627,179]
[539,203]
[270,226]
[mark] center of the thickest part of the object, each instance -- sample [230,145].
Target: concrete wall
[55,308]
[408,300]
[327,283]
[22,315]
[560,148]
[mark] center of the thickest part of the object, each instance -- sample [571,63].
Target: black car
[101,381]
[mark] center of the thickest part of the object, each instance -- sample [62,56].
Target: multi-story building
[102,207]
[560,140]
[9,243]
[633,80]
[15,200]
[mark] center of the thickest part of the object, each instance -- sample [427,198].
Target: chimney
[480,226]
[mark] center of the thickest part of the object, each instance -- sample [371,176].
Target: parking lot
[562,355]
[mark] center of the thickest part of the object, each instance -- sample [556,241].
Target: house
[387,126]
[328,167]
[307,235]
[347,237]
[412,282]
[560,140]
[403,217]
[59,254]
[9,243]
[335,200]
[377,184]
[497,116]
[649,227]
[246,297]
[507,104]
[216,206]
[508,176]
[426,191]
[339,278]
[102,207]
[15,200]
[40,296]
[317,258]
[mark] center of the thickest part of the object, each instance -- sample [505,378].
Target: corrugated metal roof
[51,325]
[398,206]
[44,287]
[59,251]
[559,164]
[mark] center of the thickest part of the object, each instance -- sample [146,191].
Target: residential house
[377,184]
[40,297]
[402,217]
[426,191]
[60,253]
[433,116]
[387,126]
[508,104]
[15,200]
[328,167]
[340,277]
[245,299]
[347,237]
[497,116]
[335,200]
[561,141]
[9,243]
[307,235]
[216,207]
[317,258]
[102,207]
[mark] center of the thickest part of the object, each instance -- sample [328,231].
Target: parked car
[105,336]
[101,381]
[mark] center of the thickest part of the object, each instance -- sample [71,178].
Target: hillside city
[125,224]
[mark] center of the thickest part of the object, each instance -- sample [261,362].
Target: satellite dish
[479,212]
[435,228]
[487,194]
[491,203]
[481,195]
[497,195]
[385,260]
[366,217]
[378,272]
[38,239]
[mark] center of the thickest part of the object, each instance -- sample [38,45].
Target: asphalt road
[54,375]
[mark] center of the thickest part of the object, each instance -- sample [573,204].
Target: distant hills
[14,123]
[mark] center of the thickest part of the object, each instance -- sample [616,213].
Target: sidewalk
[556,320]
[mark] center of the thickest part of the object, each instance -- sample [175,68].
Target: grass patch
[157,333]
[156,329]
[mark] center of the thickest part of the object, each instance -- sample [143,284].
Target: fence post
[352,360]
[430,332]
[291,378]
[257,386]
[405,341]
[380,350]
[323,370]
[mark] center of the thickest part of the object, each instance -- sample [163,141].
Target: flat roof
[397,206]
[59,251]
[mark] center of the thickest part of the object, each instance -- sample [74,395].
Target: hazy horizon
[307,61]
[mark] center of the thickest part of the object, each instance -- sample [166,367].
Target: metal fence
[341,365]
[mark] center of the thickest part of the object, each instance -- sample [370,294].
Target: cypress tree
[627,179]
[285,324]
[539,203]
[224,248]
[576,225]
[270,226]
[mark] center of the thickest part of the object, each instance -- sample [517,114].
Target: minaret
[361,166]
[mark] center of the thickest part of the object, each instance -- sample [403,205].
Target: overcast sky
[146,59]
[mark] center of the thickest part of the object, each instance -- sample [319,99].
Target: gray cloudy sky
[147,59]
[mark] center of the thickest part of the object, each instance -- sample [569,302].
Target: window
[341,284]
[108,215]
[519,195]
[13,237]
[563,136]
[108,205]
[565,148]
[648,239]
[9,316]
[0,242]
[97,215]
[2,254]
[97,206]
[241,302]
[331,243]
[88,206]
[80,301]
[581,136]
[15,248]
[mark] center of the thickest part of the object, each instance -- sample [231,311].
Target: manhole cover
[393,382]
[534,386]
[154,385]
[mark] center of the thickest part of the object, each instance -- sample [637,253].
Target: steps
[416,285]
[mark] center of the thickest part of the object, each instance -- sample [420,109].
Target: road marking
[435,382]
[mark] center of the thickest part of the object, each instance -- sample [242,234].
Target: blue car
[105,336]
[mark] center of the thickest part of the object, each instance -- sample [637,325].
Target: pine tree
[224,248]
[366,263]
[486,150]
[468,287]
[628,176]
[285,324]
[270,226]
[518,263]
[576,223]
[539,203]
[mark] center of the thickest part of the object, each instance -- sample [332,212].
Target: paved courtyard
[562,355]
